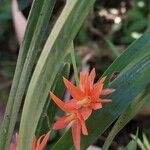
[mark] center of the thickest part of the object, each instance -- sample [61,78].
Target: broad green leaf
[133,66]
[126,116]
[33,17]
[48,66]
[136,49]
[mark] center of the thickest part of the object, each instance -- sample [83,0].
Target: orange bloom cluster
[36,144]
[86,98]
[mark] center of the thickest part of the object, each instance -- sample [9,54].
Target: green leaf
[49,64]
[29,52]
[133,143]
[139,142]
[145,140]
[126,116]
[136,49]
[50,108]
[20,62]
[133,66]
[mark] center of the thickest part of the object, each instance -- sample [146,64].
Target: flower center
[71,117]
[84,102]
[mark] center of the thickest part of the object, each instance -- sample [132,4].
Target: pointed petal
[60,103]
[73,104]
[82,122]
[97,89]
[103,79]
[12,147]
[34,143]
[107,91]
[92,76]
[61,123]
[87,85]
[86,112]
[39,142]
[84,129]
[75,92]
[96,106]
[83,81]
[44,141]
[76,133]
[104,100]
[17,138]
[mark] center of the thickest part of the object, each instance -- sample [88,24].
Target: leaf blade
[65,28]
[133,76]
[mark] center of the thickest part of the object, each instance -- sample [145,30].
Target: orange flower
[74,117]
[36,144]
[41,142]
[86,97]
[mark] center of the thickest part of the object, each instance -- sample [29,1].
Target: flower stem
[74,64]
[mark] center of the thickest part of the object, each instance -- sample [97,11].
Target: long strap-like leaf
[127,115]
[48,65]
[30,59]
[20,62]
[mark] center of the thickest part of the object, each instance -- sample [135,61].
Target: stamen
[71,117]
[84,102]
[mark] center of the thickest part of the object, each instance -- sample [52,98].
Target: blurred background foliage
[8,49]
[109,28]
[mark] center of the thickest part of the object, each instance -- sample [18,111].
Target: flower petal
[96,106]
[61,123]
[44,141]
[73,104]
[15,146]
[104,100]
[103,79]
[87,85]
[76,133]
[34,143]
[17,138]
[82,80]
[75,92]
[97,89]
[82,122]
[86,112]
[60,103]
[92,76]
[12,147]
[39,142]
[107,91]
